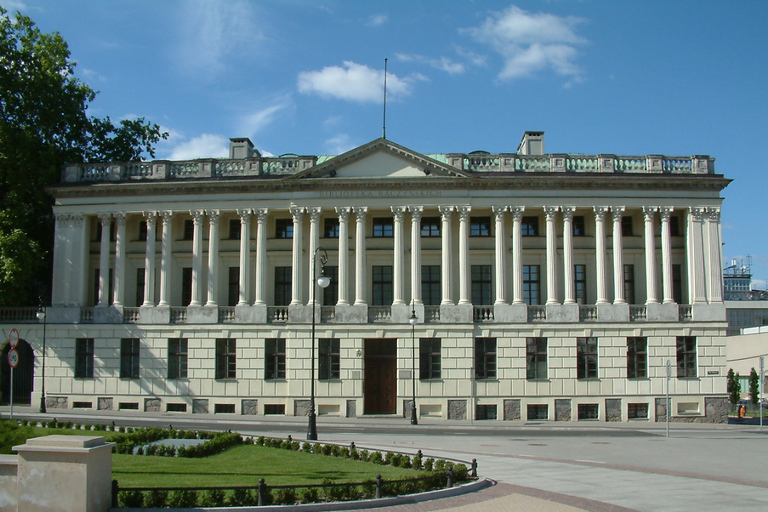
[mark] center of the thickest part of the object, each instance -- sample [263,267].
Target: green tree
[44,124]
[754,386]
[734,387]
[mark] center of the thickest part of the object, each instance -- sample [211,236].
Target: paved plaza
[547,467]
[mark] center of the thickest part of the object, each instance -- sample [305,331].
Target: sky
[306,76]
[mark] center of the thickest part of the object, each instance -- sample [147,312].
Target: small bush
[416,463]
[156,499]
[306,447]
[130,499]
[376,458]
[310,495]
[182,499]
[77,426]
[440,466]
[212,498]
[24,423]
[285,497]
[242,498]
[354,454]
[429,464]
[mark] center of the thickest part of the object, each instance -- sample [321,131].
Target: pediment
[381,159]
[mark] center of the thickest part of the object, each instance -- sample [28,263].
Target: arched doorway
[23,375]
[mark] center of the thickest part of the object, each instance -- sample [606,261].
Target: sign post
[13,358]
[669,405]
[760,390]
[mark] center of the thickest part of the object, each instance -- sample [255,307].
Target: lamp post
[322,282]
[412,321]
[41,316]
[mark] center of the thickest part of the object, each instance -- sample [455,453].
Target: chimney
[532,144]
[240,147]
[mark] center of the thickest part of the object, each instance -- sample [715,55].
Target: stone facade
[612,409]
[457,409]
[512,409]
[562,409]
[200,406]
[250,407]
[105,403]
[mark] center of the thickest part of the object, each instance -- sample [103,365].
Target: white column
[570,291]
[165,259]
[715,256]
[416,293]
[197,257]
[77,250]
[464,274]
[517,254]
[361,271]
[314,242]
[600,256]
[106,221]
[213,256]
[298,233]
[550,213]
[445,233]
[261,255]
[666,255]
[149,259]
[697,271]
[343,212]
[650,256]
[397,272]
[62,260]
[245,247]
[119,291]
[618,257]
[501,255]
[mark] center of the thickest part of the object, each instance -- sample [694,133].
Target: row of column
[703,287]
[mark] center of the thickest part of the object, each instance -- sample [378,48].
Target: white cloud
[354,82]
[254,122]
[531,42]
[377,19]
[443,63]
[91,75]
[206,145]
[339,144]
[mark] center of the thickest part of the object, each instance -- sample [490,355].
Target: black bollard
[115,490]
[262,492]
[379,483]
[474,468]
[449,474]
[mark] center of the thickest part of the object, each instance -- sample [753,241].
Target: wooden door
[380,376]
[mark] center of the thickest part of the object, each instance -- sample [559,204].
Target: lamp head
[413,320]
[323,281]
[40,315]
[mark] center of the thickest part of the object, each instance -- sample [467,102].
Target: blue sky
[305,76]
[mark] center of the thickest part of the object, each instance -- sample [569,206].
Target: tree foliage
[754,386]
[44,123]
[734,386]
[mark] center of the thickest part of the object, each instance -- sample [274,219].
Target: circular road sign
[13,358]
[13,337]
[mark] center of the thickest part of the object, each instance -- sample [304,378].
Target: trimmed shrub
[156,499]
[242,497]
[429,464]
[375,457]
[212,498]
[182,499]
[285,496]
[130,499]
[310,495]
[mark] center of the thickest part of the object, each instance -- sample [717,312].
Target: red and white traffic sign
[13,337]
[13,358]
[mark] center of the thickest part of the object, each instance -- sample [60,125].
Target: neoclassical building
[544,286]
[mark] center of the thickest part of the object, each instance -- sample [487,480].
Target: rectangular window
[588,411]
[538,411]
[485,358]
[331,293]
[283,228]
[674,226]
[283,281]
[233,286]
[329,363]
[530,226]
[626,226]
[142,231]
[637,411]
[382,285]
[586,358]
[536,358]
[578,227]
[637,357]
[686,357]
[186,286]
[481,285]
[677,283]
[629,284]
[331,228]
[235,228]
[430,227]
[429,358]
[84,358]
[189,230]
[430,284]
[383,227]
[580,283]
[177,358]
[479,226]
[129,358]
[226,358]
[140,282]
[274,358]
[485,412]
[531,285]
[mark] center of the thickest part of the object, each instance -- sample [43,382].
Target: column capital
[197,216]
[297,212]
[343,212]
[213,216]
[697,212]
[245,215]
[499,211]
[167,215]
[713,214]
[649,212]
[517,212]
[463,212]
[550,211]
[314,213]
[104,217]
[120,218]
[446,211]
[617,212]
[261,214]
[665,212]
[398,212]
[416,212]
[600,212]
[568,212]
[360,211]
[151,215]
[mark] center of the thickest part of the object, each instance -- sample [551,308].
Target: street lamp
[412,321]
[41,316]
[322,282]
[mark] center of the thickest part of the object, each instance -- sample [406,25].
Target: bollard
[449,475]
[352,445]
[379,483]
[262,492]
[290,438]
[474,468]
[115,490]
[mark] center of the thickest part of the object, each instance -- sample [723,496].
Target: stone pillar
[213,256]
[197,256]
[119,288]
[650,256]
[618,257]
[149,259]
[445,233]
[106,221]
[343,212]
[165,259]
[62,273]
[714,256]
[416,293]
[550,213]
[298,222]
[397,271]
[666,255]
[464,274]
[600,256]
[696,266]
[78,249]
[517,254]
[360,261]
[500,255]
[245,247]
[570,286]
[314,242]
[261,255]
